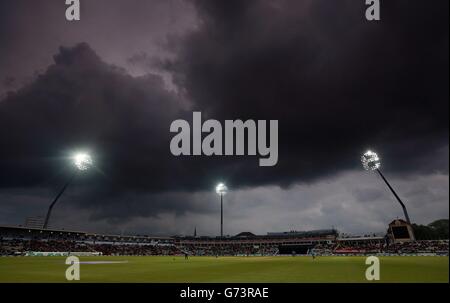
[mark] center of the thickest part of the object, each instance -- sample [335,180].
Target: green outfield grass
[225,269]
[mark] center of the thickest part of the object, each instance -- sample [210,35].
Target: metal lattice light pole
[82,162]
[371,161]
[221,190]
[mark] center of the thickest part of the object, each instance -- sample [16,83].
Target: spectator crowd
[22,246]
[372,246]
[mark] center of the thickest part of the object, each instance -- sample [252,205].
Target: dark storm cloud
[368,195]
[82,102]
[334,201]
[337,84]
[32,31]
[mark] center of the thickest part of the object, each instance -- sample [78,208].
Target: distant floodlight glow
[82,161]
[371,161]
[221,189]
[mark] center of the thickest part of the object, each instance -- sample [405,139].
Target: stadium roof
[245,234]
[360,238]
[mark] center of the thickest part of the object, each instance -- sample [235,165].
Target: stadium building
[25,241]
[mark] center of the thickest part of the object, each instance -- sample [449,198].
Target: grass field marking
[102,262]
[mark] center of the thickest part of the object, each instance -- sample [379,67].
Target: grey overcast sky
[113,82]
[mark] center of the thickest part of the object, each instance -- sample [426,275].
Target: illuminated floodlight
[82,161]
[221,189]
[371,161]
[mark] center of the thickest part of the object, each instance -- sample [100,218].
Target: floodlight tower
[371,161]
[82,162]
[221,189]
